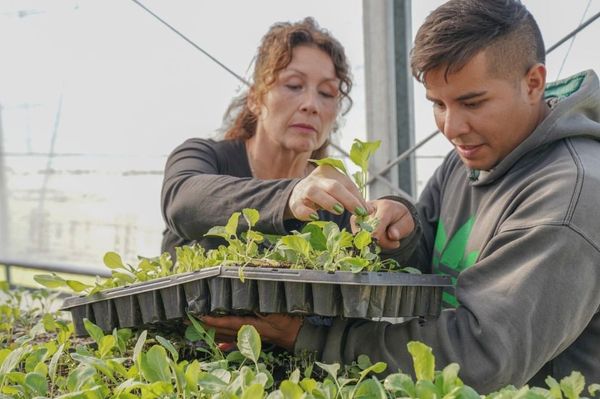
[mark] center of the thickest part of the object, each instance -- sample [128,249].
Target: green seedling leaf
[332,369]
[450,378]
[554,387]
[466,392]
[253,391]
[79,377]
[290,390]
[593,389]
[336,163]
[362,239]
[573,385]
[98,364]
[361,151]
[95,332]
[169,346]
[113,260]
[248,342]
[378,367]
[217,231]
[139,346]
[54,362]
[423,360]
[36,383]
[255,236]
[308,384]
[128,386]
[11,361]
[358,179]
[78,286]
[317,239]
[251,216]
[50,280]
[426,389]
[410,270]
[154,365]
[232,224]
[370,389]
[210,383]
[354,264]
[297,243]
[106,344]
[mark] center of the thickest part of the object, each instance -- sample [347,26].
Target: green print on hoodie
[452,254]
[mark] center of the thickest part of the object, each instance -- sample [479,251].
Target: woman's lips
[304,127]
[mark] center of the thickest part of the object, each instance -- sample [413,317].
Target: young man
[513,213]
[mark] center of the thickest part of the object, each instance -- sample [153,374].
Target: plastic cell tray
[219,290]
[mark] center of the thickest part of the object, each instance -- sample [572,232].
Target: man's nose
[455,124]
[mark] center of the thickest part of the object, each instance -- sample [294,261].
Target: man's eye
[472,104]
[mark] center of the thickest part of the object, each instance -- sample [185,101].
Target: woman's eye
[326,94]
[293,87]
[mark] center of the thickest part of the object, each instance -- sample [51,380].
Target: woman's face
[299,111]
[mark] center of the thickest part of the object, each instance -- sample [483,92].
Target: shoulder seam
[578,182]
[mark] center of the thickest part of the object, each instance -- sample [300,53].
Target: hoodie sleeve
[520,306]
[198,193]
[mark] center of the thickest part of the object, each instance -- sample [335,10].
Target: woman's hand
[395,222]
[276,328]
[325,188]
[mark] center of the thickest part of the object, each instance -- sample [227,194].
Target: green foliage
[123,366]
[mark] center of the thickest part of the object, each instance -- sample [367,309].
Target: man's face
[483,116]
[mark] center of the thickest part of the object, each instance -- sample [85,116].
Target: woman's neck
[267,162]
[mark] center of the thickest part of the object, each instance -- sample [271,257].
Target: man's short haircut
[458,30]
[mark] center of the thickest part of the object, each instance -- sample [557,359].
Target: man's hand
[325,188]
[279,329]
[395,222]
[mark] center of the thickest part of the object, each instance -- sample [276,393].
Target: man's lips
[468,151]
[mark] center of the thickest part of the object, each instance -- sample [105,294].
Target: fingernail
[314,216]
[338,208]
[360,211]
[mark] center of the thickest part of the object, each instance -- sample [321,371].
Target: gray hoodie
[522,243]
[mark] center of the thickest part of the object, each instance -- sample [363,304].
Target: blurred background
[95,94]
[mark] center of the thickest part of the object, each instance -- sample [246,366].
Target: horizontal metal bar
[57,267]
[573,33]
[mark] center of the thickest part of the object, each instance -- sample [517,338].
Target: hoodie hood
[575,111]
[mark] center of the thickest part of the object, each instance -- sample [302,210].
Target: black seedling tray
[219,290]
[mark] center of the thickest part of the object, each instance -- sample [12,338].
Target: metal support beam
[4,214]
[389,93]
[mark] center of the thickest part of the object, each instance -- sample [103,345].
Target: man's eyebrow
[470,95]
[464,97]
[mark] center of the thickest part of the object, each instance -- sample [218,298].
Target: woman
[301,84]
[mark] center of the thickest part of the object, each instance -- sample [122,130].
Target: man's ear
[535,82]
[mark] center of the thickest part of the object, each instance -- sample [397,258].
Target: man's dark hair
[458,30]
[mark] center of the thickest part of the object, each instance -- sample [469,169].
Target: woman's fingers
[325,188]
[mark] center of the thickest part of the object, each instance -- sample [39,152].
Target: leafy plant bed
[40,358]
[245,290]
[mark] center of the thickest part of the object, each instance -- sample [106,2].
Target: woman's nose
[310,103]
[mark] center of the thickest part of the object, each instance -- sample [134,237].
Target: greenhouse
[349,199]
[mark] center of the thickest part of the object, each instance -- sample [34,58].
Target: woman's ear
[535,80]
[252,102]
